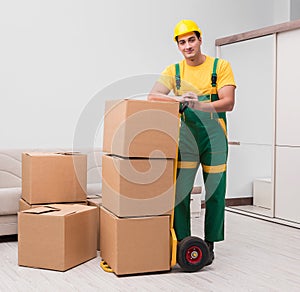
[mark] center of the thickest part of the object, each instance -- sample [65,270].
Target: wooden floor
[256,256]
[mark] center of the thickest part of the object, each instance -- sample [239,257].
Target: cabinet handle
[234,143]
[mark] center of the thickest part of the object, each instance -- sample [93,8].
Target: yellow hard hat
[185,26]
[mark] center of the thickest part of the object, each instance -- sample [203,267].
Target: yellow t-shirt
[197,79]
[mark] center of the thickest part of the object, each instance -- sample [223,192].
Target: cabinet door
[245,164]
[288,97]
[253,64]
[287,183]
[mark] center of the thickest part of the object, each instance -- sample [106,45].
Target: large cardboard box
[97,202]
[57,237]
[140,128]
[54,177]
[137,187]
[135,245]
[23,205]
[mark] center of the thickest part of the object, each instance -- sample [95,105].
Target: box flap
[71,209]
[56,210]
[41,210]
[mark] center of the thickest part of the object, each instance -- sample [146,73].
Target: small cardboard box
[137,187]
[135,245]
[57,237]
[54,177]
[97,202]
[23,205]
[140,128]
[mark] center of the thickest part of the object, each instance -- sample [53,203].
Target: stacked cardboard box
[55,236]
[140,138]
[54,177]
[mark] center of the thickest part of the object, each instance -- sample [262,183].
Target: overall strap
[214,73]
[177,76]
[221,116]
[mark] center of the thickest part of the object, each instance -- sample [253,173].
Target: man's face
[189,45]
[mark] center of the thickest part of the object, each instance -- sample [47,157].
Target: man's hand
[191,98]
[225,102]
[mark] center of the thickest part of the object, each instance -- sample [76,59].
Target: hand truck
[192,252]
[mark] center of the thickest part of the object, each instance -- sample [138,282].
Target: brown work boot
[210,246]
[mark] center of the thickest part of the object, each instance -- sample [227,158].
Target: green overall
[202,141]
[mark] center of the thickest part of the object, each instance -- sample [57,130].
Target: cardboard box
[54,177]
[137,187]
[140,128]
[135,245]
[23,205]
[57,237]
[97,202]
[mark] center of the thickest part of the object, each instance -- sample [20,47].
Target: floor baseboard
[234,202]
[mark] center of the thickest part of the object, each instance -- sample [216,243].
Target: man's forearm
[221,105]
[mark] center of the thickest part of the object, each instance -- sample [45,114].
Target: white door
[251,123]
[287,183]
[288,94]
[287,186]
[253,64]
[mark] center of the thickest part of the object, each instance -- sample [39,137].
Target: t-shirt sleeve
[225,75]
[167,77]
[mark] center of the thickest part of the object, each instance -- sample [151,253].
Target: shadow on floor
[6,238]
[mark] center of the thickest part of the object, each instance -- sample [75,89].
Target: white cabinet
[265,120]
[195,205]
[263,192]
[287,183]
[288,94]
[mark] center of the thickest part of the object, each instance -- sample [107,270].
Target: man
[207,85]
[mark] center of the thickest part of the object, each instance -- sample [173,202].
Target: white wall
[294,9]
[60,59]
[282,10]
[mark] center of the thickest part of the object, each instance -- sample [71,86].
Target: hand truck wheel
[192,254]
